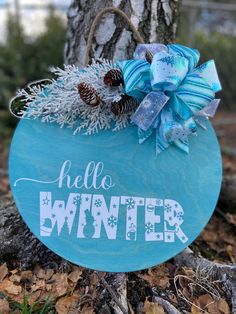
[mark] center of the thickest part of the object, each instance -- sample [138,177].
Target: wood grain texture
[191,180]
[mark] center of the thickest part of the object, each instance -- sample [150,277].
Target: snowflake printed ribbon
[174,94]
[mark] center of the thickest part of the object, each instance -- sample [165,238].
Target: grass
[46,306]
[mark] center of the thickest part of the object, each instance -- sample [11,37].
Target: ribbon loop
[136,75]
[140,51]
[167,71]
[192,55]
[208,72]
[174,94]
[195,92]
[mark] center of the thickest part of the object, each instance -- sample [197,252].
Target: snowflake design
[202,67]
[149,227]
[169,60]
[130,202]
[112,221]
[98,202]
[168,208]
[77,200]
[179,214]
[158,202]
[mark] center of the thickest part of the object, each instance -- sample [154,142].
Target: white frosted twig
[59,102]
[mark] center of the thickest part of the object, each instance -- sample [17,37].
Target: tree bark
[17,243]
[156,20]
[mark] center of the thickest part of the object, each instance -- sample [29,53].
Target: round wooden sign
[108,203]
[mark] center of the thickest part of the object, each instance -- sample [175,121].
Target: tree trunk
[156,20]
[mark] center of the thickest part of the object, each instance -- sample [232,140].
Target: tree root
[226,274]
[167,306]
[119,295]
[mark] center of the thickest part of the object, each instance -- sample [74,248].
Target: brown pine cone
[113,77]
[88,94]
[124,105]
[149,56]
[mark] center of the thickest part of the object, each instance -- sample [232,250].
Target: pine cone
[149,56]
[113,77]
[88,94]
[124,105]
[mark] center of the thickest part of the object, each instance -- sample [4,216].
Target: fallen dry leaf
[8,286]
[34,296]
[15,278]
[230,252]
[94,279]
[221,240]
[61,283]
[4,306]
[49,273]
[41,274]
[206,303]
[172,298]
[87,310]
[14,271]
[66,304]
[188,271]
[75,275]
[3,271]
[152,308]
[39,285]
[223,306]
[18,298]
[231,218]
[26,275]
[157,276]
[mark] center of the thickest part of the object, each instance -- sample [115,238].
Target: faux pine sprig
[60,102]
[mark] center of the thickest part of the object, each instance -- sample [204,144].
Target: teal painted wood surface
[108,203]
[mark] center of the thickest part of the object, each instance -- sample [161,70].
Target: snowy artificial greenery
[59,101]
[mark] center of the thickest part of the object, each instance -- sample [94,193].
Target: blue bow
[174,94]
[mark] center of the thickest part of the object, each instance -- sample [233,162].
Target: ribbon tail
[183,144]
[161,142]
[148,110]
[143,135]
[208,112]
[173,130]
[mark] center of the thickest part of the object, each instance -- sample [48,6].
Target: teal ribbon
[174,94]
